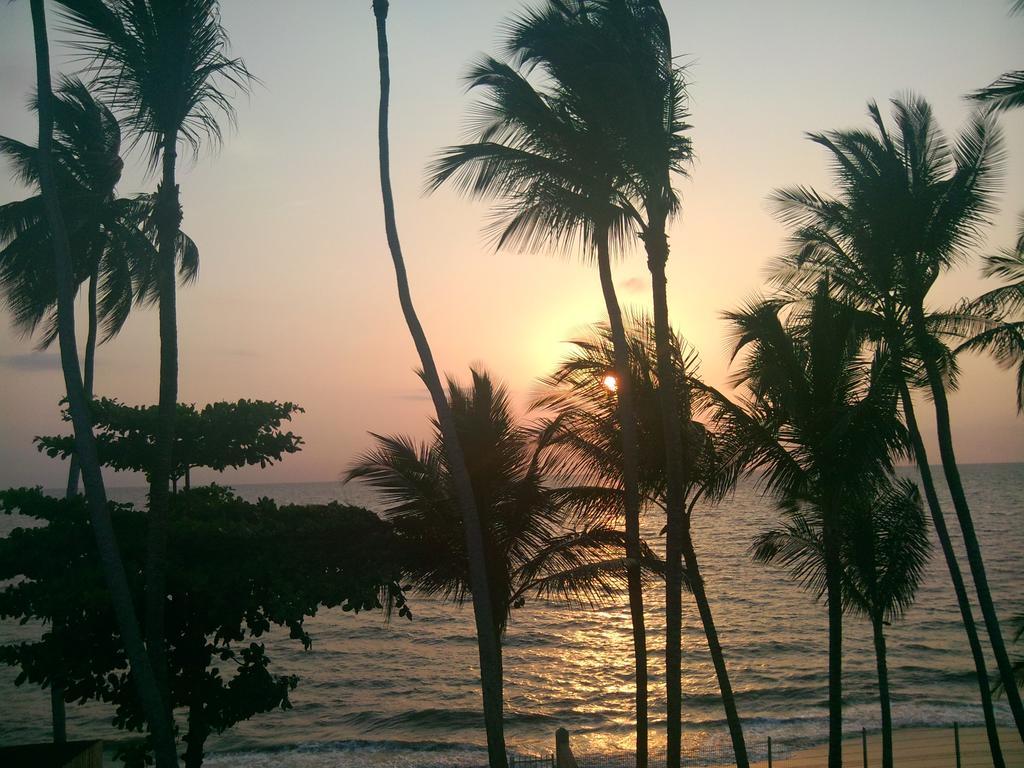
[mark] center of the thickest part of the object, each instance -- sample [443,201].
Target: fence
[946,747]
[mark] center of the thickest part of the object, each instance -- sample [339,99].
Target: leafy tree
[113,569]
[819,424]
[530,549]
[164,67]
[110,237]
[883,555]
[237,570]
[909,206]
[216,436]
[557,177]
[488,642]
[587,443]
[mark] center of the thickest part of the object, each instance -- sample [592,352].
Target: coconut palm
[909,207]
[588,441]
[99,514]
[1007,91]
[556,178]
[884,551]
[530,550]
[999,313]
[110,237]
[163,66]
[483,610]
[819,423]
[645,110]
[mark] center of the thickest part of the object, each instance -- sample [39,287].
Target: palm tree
[588,440]
[1007,91]
[113,568]
[645,111]
[819,424]
[483,610]
[909,207]
[884,552]
[110,237]
[999,313]
[530,549]
[164,67]
[557,178]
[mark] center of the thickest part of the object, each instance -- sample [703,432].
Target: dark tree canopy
[236,570]
[217,436]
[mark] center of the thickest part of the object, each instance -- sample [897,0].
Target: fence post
[956,741]
[864,744]
[564,757]
[769,752]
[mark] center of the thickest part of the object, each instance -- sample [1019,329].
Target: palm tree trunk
[966,613]
[963,514]
[57,710]
[631,486]
[833,591]
[483,610]
[85,446]
[168,215]
[90,371]
[696,581]
[883,691]
[656,244]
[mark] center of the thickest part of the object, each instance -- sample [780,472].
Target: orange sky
[296,301]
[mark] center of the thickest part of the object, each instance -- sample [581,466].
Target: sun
[610,382]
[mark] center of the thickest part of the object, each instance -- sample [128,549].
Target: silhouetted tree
[556,177]
[909,206]
[113,569]
[110,237]
[883,555]
[588,442]
[483,610]
[163,66]
[819,424]
[238,570]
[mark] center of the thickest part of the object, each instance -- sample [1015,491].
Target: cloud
[32,361]
[634,285]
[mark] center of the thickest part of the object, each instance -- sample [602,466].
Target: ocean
[405,693]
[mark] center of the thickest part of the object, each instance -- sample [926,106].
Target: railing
[921,748]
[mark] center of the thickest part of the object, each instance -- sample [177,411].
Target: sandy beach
[913,748]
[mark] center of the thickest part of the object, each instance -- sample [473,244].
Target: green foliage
[235,571]
[530,549]
[112,239]
[585,428]
[884,550]
[217,436]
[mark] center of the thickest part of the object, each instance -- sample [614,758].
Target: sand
[912,748]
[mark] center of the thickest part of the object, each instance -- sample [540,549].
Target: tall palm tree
[645,111]
[113,568]
[530,549]
[884,551]
[556,177]
[483,610]
[588,439]
[163,66]
[110,237]
[819,424]
[909,207]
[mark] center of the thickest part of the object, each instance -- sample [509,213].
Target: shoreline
[913,747]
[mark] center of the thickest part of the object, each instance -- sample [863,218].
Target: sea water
[406,693]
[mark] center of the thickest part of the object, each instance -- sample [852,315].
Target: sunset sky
[296,300]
